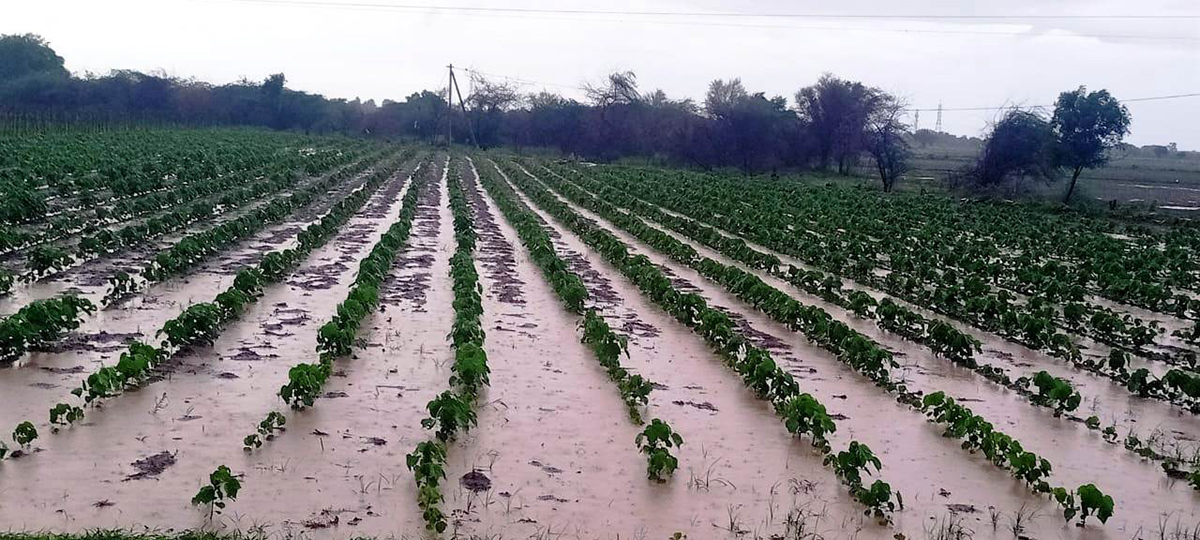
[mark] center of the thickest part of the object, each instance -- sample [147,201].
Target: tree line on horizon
[832,125]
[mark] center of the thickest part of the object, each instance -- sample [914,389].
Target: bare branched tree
[620,88]
[886,143]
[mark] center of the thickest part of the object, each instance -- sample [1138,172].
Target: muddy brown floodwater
[553,454]
[1169,429]
[41,379]
[936,476]
[145,453]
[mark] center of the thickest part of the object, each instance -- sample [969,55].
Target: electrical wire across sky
[699,18]
[521,80]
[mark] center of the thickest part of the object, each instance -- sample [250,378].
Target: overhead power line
[704,18]
[1130,100]
[939,109]
[728,14]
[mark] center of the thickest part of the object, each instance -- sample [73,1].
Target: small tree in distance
[1087,125]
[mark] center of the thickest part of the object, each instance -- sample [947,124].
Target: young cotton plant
[1053,392]
[449,413]
[656,441]
[428,464]
[266,429]
[304,384]
[222,486]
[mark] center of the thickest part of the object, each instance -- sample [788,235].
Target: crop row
[335,339]
[657,438]
[849,346]
[1040,388]
[196,248]
[927,268]
[607,345]
[801,413]
[991,312]
[40,323]
[232,191]
[93,211]
[123,163]
[1056,254]
[453,411]
[1177,386]
[200,324]
[45,260]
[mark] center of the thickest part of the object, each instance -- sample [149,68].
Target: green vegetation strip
[201,323]
[196,248]
[657,438]
[849,346]
[952,258]
[39,323]
[136,169]
[45,261]
[1040,388]
[335,339]
[211,199]
[453,410]
[987,311]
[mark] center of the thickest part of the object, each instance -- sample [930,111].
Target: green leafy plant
[656,441]
[1093,501]
[120,285]
[25,433]
[199,324]
[45,260]
[428,462]
[222,486]
[304,384]
[804,415]
[449,413]
[274,421]
[1055,392]
[64,414]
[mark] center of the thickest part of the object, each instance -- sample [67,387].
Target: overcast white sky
[376,52]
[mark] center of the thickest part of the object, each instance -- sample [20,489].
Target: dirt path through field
[198,415]
[908,443]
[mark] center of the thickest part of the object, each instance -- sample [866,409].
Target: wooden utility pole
[453,88]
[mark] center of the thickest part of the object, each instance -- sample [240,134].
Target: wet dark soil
[495,252]
[151,466]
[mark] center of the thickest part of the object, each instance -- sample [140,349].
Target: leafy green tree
[1088,125]
[836,111]
[28,54]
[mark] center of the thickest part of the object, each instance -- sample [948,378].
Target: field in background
[1172,181]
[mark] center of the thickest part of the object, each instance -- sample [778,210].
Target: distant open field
[1166,182]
